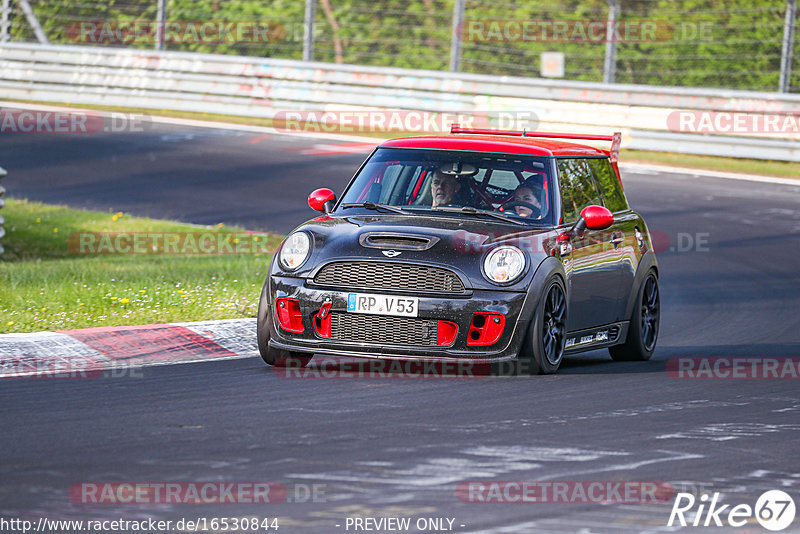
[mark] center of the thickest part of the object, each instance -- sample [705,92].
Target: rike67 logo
[774,510]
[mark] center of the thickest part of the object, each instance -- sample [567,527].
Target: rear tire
[644,325]
[543,349]
[271,356]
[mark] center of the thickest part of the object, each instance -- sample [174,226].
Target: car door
[624,239]
[591,262]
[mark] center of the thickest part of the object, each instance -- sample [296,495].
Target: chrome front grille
[383,330]
[389,276]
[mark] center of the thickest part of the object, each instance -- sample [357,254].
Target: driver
[444,188]
[529,194]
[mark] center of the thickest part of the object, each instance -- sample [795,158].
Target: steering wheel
[534,209]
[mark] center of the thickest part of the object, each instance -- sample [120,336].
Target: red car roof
[497,143]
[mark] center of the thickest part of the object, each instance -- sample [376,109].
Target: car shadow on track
[599,362]
[669,359]
[596,362]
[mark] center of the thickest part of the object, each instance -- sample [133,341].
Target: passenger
[529,193]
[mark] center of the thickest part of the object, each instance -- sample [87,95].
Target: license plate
[382,304]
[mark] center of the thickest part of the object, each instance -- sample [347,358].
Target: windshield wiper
[474,211]
[373,206]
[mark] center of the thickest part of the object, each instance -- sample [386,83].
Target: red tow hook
[322,320]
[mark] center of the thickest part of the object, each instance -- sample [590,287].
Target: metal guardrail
[263,87]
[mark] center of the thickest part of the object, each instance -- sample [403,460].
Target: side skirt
[596,338]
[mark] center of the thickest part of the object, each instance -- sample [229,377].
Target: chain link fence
[736,44]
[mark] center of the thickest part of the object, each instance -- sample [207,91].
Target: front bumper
[456,309]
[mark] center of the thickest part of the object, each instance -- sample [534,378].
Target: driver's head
[526,194]
[444,188]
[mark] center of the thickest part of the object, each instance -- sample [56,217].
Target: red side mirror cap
[319,197]
[597,217]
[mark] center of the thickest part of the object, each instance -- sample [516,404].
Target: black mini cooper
[481,245]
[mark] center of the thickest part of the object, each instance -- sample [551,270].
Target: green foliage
[702,43]
[713,43]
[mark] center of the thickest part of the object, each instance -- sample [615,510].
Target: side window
[577,186]
[609,185]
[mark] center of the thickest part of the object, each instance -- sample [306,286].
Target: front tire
[644,325]
[543,350]
[271,356]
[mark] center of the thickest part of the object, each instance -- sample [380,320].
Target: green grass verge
[782,169]
[44,285]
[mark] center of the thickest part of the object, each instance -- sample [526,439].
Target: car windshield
[469,184]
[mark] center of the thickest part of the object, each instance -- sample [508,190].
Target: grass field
[47,285]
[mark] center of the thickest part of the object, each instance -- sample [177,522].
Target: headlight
[295,250]
[504,264]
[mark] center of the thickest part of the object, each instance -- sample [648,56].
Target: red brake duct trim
[446,333]
[485,328]
[289,315]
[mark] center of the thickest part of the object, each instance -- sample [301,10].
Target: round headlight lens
[504,264]
[295,250]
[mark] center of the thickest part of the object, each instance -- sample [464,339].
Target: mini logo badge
[391,253]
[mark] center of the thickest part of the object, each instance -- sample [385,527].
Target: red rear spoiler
[615,139]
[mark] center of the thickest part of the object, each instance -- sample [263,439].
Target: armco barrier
[263,87]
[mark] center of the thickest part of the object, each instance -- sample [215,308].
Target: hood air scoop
[397,241]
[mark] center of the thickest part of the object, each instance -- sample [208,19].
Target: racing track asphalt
[392,447]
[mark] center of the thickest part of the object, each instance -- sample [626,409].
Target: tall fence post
[308,30]
[161,21]
[34,22]
[610,63]
[5,22]
[788,46]
[455,39]
[2,203]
